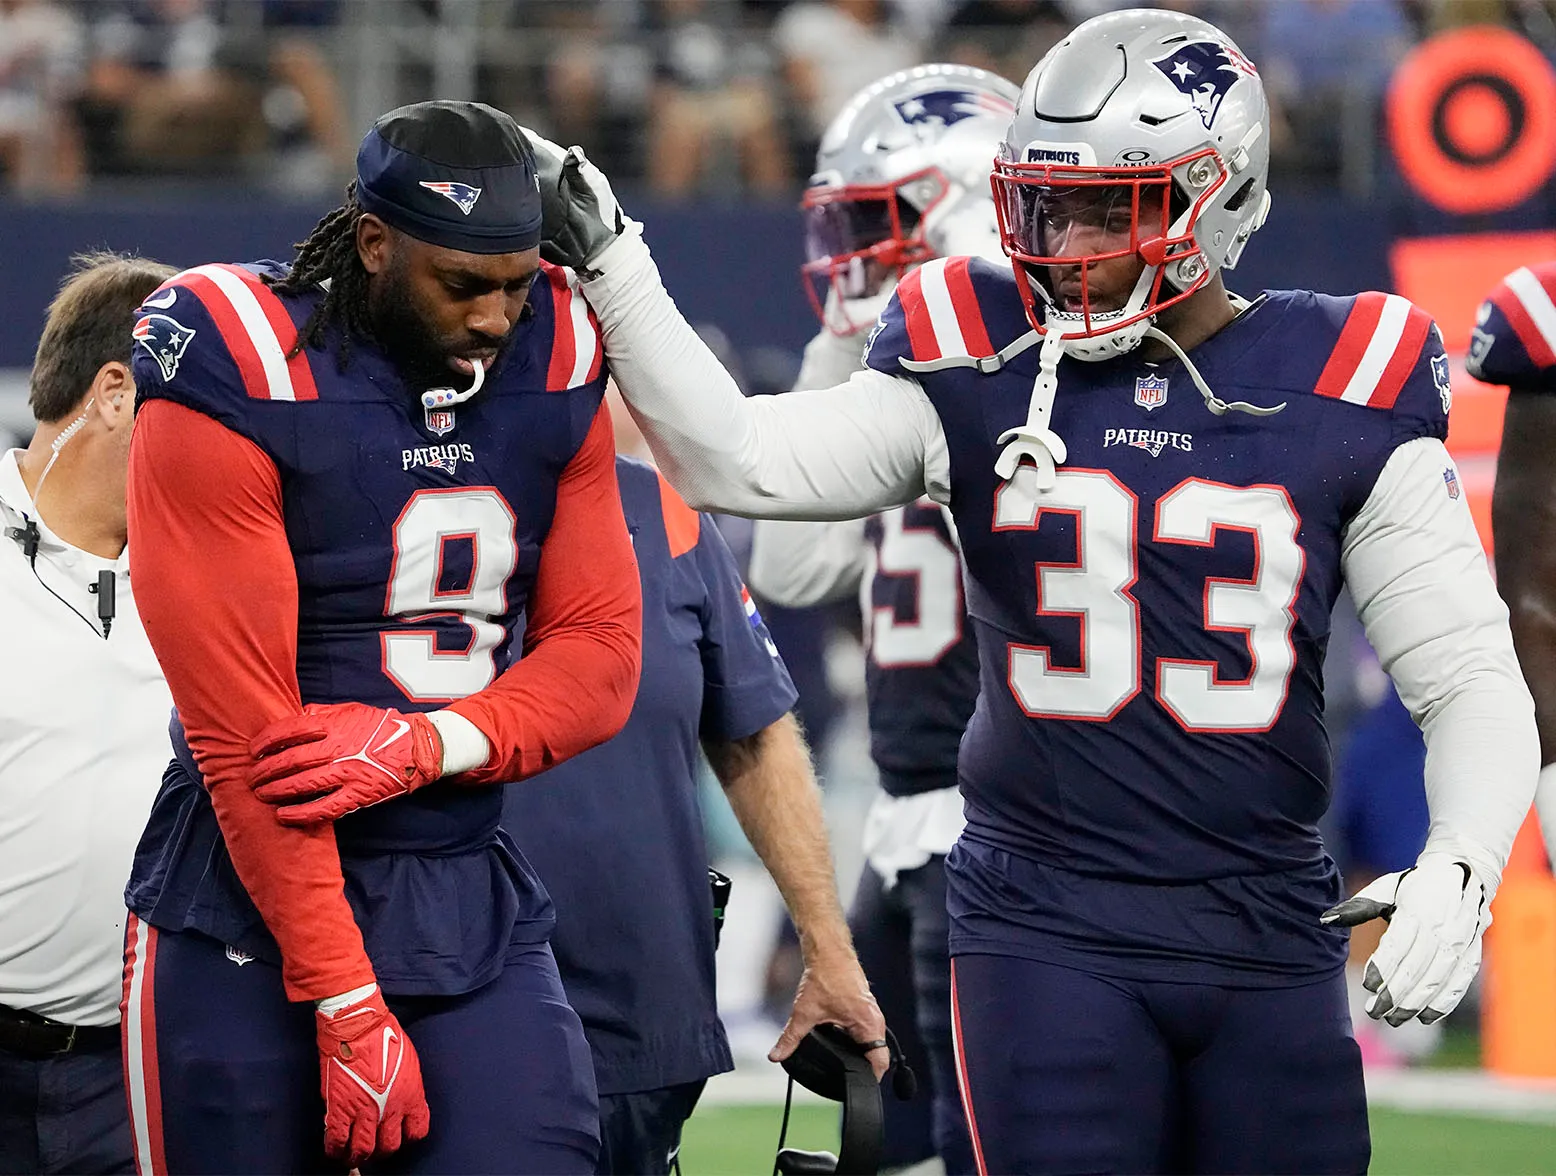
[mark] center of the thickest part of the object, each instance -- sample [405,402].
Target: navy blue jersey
[1151,630]
[416,535]
[1514,339]
[921,675]
[616,832]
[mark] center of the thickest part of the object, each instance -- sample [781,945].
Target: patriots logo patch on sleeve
[1205,71]
[1443,379]
[463,196]
[165,338]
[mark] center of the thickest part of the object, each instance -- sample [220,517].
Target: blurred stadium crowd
[687,97]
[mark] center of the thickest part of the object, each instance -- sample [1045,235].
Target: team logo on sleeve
[1443,379]
[1150,392]
[464,196]
[165,338]
[756,620]
[1205,71]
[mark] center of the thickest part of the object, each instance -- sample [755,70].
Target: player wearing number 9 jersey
[318,524]
[902,176]
[1160,490]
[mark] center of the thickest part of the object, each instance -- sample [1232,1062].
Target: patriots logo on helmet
[165,338]
[463,196]
[942,108]
[1204,71]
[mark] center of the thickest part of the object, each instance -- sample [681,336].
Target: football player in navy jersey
[616,834]
[1514,343]
[1159,489]
[902,176]
[335,551]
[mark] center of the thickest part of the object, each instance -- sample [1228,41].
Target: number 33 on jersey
[1151,629]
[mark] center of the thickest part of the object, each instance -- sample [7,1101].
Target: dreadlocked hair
[330,254]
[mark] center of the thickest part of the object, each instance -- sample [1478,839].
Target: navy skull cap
[457,174]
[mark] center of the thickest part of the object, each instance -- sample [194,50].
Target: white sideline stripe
[272,356]
[1537,302]
[942,314]
[135,1056]
[1380,349]
[584,341]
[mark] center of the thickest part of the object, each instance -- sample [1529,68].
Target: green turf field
[740,1141]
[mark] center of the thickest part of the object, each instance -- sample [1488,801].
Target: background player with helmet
[1147,972]
[616,833]
[336,550]
[1514,343]
[902,177]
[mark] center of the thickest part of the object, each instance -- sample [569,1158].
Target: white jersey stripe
[1380,349]
[585,342]
[272,356]
[1537,302]
[135,1052]
[942,314]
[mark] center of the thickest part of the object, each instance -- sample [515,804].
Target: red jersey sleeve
[575,685]
[216,588]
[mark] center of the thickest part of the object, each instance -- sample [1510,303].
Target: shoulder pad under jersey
[216,339]
[1514,340]
[949,307]
[1374,350]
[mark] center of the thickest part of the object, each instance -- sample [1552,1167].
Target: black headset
[832,1064]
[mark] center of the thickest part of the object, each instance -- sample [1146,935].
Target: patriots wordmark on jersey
[416,536]
[1151,630]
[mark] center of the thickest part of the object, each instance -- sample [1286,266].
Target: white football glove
[1437,911]
[580,213]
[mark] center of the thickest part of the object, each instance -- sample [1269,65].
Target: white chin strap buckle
[1034,444]
[443,397]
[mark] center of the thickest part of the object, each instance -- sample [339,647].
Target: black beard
[403,334]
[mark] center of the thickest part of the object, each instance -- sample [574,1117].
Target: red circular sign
[1472,119]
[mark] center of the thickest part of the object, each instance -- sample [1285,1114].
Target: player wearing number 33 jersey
[1160,489]
[319,524]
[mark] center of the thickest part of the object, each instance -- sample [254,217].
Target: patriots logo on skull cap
[165,338]
[464,196]
[1205,71]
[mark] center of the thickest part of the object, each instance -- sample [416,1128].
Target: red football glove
[371,1081]
[334,759]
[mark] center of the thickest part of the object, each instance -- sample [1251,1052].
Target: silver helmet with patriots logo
[902,176]
[1149,130]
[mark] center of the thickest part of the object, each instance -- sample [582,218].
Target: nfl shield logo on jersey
[1451,480]
[440,421]
[1150,392]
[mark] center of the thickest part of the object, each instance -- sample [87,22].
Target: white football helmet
[902,176]
[1149,130]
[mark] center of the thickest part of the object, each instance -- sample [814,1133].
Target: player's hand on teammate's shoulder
[335,758]
[580,214]
[833,990]
[370,1078]
[1437,912]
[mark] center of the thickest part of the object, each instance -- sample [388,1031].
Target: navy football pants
[640,1132]
[223,1072]
[901,935]
[1066,1071]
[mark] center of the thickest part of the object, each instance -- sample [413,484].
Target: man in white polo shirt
[83,733]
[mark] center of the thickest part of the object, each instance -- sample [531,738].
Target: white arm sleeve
[1427,602]
[840,453]
[801,564]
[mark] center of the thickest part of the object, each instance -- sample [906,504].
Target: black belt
[38,1037]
